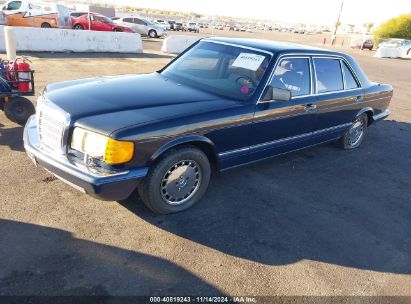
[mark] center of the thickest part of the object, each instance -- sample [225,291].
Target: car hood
[106,104]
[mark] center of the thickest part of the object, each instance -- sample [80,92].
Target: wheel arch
[370,114]
[201,142]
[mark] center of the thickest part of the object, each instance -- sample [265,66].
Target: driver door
[99,24]
[283,126]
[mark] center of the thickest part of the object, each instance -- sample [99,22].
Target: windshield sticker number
[248,61]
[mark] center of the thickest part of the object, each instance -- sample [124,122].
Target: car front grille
[51,127]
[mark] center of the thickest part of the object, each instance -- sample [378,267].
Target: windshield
[149,22]
[225,70]
[106,19]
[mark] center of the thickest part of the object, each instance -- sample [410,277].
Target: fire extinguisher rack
[13,84]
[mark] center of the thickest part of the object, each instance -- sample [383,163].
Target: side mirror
[272,93]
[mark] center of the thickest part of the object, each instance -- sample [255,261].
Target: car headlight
[98,146]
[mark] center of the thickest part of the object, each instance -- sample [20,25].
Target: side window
[329,76]
[129,20]
[350,82]
[14,5]
[138,21]
[293,74]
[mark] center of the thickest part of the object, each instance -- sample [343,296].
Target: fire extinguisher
[18,72]
[23,76]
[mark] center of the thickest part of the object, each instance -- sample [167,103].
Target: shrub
[399,27]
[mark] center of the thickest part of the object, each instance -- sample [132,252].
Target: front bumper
[111,186]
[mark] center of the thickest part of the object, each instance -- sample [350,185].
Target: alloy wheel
[356,132]
[181,182]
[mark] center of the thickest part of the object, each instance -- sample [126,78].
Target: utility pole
[337,23]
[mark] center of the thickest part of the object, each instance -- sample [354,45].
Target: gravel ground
[318,222]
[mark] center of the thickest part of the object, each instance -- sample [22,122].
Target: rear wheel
[18,110]
[176,182]
[152,34]
[78,27]
[45,25]
[117,30]
[354,136]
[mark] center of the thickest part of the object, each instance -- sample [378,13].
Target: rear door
[282,126]
[129,22]
[339,96]
[140,26]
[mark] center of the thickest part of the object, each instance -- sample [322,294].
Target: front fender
[193,139]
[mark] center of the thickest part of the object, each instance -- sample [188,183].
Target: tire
[78,27]
[45,25]
[354,136]
[152,34]
[117,30]
[19,110]
[185,168]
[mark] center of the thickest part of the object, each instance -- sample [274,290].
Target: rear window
[329,76]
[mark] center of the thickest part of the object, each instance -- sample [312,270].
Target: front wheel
[177,182]
[117,30]
[78,27]
[152,34]
[45,25]
[354,136]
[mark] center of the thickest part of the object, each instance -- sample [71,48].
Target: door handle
[310,107]
[359,98]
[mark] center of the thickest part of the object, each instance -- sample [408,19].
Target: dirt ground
[318,222]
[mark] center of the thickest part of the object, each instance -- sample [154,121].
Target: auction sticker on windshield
[248,61]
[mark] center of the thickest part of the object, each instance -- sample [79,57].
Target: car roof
[273,46]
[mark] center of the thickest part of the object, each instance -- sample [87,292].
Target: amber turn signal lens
[118,152]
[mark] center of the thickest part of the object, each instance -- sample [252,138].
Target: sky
[309,11]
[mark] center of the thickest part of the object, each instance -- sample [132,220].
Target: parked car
[78,14]
[142,26]
[394,48]
[97,22]
[3,19]
[222,104]
[163,24]
[178,26]
[396,43]
[362,44]
[172,24]
[36,14]
[192,27]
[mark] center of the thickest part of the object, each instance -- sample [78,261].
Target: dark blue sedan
[222,104]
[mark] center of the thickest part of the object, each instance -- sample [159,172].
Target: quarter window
[293,74]
[329,76]
[350,82]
